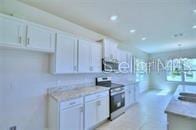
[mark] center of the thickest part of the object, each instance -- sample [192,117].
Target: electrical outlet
[12,128]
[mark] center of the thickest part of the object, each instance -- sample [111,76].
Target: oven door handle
[115,93]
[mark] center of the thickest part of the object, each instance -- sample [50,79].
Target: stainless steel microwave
[109,66]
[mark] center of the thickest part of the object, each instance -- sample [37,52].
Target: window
[141,69]
[181,70]
[174,72]
[190,71]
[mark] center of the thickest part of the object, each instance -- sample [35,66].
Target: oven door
[117,101]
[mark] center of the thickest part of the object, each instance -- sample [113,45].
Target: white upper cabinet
[65,58]
[40,37]
[125,60]
[96,57]
[12,31]
[109,49]
[84,56]
[25,35]
[89,57]
[122,56]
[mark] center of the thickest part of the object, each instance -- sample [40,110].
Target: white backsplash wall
[25,79]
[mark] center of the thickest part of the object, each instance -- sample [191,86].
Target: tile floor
[148,114]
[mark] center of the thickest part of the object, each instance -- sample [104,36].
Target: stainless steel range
[117,96]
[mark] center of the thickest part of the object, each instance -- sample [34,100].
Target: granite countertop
[65,95]
[182,108]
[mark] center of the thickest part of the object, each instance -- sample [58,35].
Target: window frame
[183,80]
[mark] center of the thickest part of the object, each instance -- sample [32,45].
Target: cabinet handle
[20,39]
[72,103]
[98,103]
[28,41]
[81,109]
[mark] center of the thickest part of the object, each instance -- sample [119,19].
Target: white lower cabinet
[129,95]
[96,109]
[90,114]
[78,114]
[67,115]
[103,109]
[72,118]
[136,91]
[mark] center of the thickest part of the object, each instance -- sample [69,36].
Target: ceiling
[157,20]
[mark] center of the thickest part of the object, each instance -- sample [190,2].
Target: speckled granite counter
[65,95]
[182,108]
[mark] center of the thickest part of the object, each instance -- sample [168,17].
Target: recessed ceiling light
[194,26]
[194,11]
[132,31]
[144,38]
[113,17]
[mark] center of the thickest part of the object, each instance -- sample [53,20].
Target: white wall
[25,77]
[26,80]
[158,79]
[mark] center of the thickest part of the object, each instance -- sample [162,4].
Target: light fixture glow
[113,17]
[194,11]
[144,38]
[132,31]
[194,27]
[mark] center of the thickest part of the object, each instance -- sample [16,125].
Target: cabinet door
[12,32]
[136,91]
[40,38]
[71,118]
[90,114]
[127,96]
[66,54]
[102,109]
[110,49]
[96,56]
[131,95]
[84,56]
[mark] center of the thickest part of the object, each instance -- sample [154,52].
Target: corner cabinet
[64,60]
[89,57]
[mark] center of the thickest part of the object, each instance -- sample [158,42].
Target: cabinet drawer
[67,104]
[96,96]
